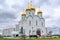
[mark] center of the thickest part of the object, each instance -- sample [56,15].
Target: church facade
[31,24]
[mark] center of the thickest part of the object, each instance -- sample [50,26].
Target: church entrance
[38,32]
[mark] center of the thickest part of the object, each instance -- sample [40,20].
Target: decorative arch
[38,32]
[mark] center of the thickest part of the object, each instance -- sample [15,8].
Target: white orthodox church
[31,24]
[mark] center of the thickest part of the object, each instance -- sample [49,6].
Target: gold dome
[30,8]
[39,11]
[23,14]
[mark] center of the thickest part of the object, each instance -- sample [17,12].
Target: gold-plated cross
[30,3]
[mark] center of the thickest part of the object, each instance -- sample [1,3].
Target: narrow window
[42,32]
[42,23]
[36,22]
[29,12]
[30,23]
[22,30]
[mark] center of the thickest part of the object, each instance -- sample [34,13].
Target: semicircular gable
[37,17]
[29,16]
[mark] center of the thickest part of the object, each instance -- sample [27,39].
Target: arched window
[29,13]
[22,30]
[30,23]
[36,23]
[42,24]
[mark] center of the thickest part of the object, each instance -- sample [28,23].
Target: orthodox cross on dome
[30,3]
[30,7]
[39,11]
[40,8]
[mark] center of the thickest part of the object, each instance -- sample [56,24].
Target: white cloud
[57,12]
[50,9]
[54,18]
[7,6]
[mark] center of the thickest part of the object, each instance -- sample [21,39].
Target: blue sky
[10,11]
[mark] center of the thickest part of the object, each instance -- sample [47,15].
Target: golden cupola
[30,7]
[39,11]
[23,14]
